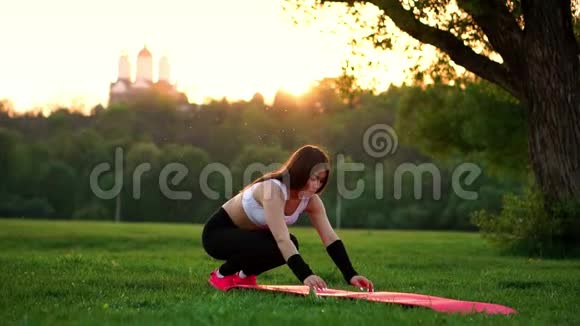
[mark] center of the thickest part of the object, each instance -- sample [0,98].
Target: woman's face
[314,183]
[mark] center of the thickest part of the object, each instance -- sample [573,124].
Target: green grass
[104,273]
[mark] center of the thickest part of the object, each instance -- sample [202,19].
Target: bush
[568,213]
[523,225]
[16,206]
[93,211]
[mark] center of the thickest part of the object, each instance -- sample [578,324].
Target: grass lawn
[104,273]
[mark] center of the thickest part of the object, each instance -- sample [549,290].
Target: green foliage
[17,206]
[143,153]
[93,211]
[8,144]
[260,155]
[568,213]
[523,224]
[50,159]
[471,123]
[60,178]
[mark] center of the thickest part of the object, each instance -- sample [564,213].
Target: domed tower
[144,66]
[164,70]
[124,73]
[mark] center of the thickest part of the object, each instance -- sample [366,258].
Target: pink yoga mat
[407,299]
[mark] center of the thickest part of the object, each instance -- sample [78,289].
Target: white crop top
[255,211]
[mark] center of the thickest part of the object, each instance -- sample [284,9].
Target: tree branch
[500,27]
[448,43]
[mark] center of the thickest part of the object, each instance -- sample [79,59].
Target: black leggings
[253,252]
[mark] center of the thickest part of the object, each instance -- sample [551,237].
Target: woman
[250,230]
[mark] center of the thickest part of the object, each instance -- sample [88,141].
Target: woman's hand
[314,281]
[362,282]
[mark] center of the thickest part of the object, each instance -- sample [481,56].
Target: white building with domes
[124,90]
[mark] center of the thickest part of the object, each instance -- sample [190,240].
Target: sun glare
[297,87]
[222,48]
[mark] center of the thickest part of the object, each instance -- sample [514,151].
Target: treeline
[46,162]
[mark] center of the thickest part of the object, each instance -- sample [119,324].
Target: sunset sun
[214,50]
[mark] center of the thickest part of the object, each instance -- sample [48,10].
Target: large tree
[539,66]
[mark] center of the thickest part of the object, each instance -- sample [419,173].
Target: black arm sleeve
[337,252]
[299,267]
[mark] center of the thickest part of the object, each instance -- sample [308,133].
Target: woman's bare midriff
[235,210]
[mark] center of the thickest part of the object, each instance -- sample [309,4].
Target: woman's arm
[319,219]
[272,199]
[333,244]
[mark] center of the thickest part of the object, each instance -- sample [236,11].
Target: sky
[66,52]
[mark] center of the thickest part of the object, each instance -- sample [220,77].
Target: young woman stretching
[250,230]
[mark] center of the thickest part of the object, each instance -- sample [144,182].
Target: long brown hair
[296,171]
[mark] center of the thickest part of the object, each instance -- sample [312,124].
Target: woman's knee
[212,245]
[294,240]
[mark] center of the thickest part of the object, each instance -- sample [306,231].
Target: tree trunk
[552,87]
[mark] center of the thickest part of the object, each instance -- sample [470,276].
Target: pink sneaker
[222,284]
[248,280]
